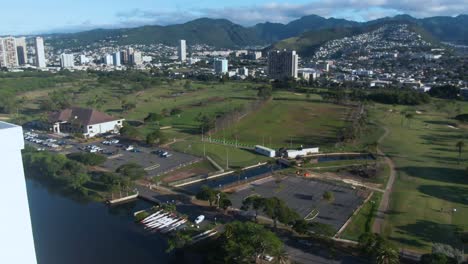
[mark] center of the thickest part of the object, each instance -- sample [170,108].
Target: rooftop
[84,116]
[4,125]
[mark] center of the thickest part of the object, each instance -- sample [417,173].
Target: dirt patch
[184,174]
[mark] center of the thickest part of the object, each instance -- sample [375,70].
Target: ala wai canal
[73,232]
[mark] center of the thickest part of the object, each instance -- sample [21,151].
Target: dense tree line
[445,92]
[47,166]
[401,97]
[91,159]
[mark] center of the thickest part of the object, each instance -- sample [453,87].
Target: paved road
[384,203]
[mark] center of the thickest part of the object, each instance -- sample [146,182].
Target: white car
[199,219]
[114,141]
[129,148]
[268,258]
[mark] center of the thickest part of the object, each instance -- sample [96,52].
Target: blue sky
[43,16]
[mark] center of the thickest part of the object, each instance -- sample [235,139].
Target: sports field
[429,202]
[285,122]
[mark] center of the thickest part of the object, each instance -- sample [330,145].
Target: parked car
[199,219]
[129,148]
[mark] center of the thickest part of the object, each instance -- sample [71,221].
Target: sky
[51,16]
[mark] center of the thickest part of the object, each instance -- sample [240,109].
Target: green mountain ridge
[222,33]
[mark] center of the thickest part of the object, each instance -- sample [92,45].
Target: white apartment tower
[67,60]
[40,53]
[16,232]
[108,60]
[22,51]
[220,66]
[182,50]
[8,55]
[282,64]
[2,54]
[136,58]
[116,58]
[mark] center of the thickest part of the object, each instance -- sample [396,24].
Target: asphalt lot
[305,195]
[116,154]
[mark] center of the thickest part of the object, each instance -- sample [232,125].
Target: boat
[168,223]
[159,222]
[174,226]
[147,219]
[156,218]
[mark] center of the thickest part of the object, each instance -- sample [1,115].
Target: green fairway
[238,158]
[430,184]
[282,123]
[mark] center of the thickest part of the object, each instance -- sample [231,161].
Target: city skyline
[123,14]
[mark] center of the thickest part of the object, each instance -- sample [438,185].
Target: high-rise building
[116,58]
[136,58]
[22,51]
[282,64]
[182,50]
[84,59]
[16,231]
[40,53]
[220,65]
[2,54]
[108,60]
[124,57]
[8,54]
[67,60]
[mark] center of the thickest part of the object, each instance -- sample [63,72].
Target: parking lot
[305,196]
[156,161]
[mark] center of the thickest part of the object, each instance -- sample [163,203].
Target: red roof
[84,116]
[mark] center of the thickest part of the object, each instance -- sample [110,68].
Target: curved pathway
[384,203]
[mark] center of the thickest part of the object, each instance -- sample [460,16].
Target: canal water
[345,157]
[71,231]
[232,178]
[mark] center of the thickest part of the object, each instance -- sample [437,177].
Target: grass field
[282,122]
[238,158]
[362,222]
[430,181]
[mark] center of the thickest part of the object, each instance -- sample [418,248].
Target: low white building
[294,153]
[88,122]
[265,151]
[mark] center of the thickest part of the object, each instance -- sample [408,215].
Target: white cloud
[285,12]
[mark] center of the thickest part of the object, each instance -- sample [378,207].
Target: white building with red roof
[86,121]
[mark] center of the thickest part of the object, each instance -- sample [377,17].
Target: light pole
[218,196]
[227,158]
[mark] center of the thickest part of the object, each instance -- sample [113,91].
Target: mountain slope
[391,35]
[272,32]
[214,32]
[222,33]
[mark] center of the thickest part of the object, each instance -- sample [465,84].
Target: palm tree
[460,145]
[387,255]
